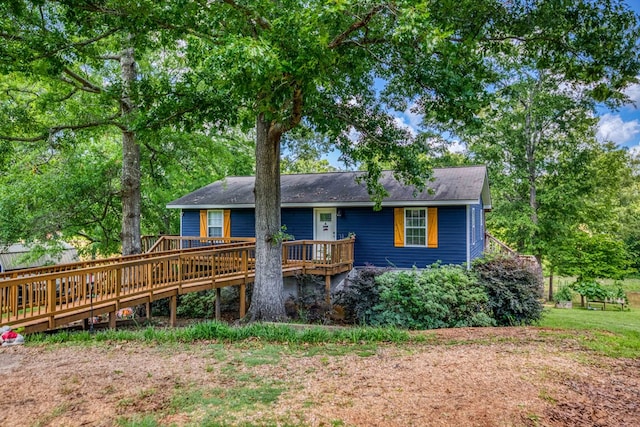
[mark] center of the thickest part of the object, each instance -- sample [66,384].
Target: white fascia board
[337,204]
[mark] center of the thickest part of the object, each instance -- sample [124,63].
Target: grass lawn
[613,332]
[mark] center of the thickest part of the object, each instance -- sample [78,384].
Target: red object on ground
[9,335]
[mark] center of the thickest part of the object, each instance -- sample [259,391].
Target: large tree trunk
[130,180]
[267,302]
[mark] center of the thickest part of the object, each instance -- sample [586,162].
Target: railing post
[51,309]
[243,286]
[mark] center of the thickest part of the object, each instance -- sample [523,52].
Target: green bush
[514,289]
[564,293]
[594,291]
[360,295]
[197,304]
[591,290]
[436,297]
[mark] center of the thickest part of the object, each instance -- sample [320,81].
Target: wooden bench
[618,301]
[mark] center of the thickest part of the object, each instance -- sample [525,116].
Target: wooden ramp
[49,297]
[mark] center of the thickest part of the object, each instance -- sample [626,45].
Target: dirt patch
[471,377]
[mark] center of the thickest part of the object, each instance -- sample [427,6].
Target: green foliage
[212,330]
[281,236]
[360,295]
[514,290]
[197,304]
[592,256]
[564,293]
[595,291]
[436,297]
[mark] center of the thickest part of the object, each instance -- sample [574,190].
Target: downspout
[468,241]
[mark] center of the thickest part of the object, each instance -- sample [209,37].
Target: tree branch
[296,114]
[9,36]
[87,86]
[55,129]
[340,39]
[79,44]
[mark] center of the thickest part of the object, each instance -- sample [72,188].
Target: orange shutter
[398,227]
[203,224]
[226,223]
[432,227]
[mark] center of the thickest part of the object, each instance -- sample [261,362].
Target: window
[415,227]
[325,216]
[215,220]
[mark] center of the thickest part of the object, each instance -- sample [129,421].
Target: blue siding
[374,238]
[190,223]
[243,223]
[373,229]
[299,222]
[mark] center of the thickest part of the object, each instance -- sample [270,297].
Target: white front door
[324,228]
[325,224]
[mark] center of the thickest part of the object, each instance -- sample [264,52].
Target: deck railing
[495,246]
[66,293]
[171,243]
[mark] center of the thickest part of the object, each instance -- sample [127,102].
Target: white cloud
[415,119]
[635,150]
[633,92]
[400,122]
[613,128]
[457,147]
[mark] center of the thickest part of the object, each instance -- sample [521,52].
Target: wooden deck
[45,298]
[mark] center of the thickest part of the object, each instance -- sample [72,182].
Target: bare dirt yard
[462,377]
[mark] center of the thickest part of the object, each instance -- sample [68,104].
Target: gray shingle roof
[11,257]
[456,185]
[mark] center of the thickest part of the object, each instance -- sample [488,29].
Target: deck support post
[327,288]
[148,311]
[243,297]
[173,308]
[218,303]
[112,320]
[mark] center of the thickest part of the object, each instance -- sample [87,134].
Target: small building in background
[16,257]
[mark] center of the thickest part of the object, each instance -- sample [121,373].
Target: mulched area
[469,376]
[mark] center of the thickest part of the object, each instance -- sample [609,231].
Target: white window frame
[212,222]
[406,220]
[473,226]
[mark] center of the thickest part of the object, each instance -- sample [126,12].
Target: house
[443,223]
[16,257]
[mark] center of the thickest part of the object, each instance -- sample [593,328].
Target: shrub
[591,290]
[436,297]
[514,289]
[564,293]
[197,304]
[360,295]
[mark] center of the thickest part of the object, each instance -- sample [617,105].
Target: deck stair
[495,246]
